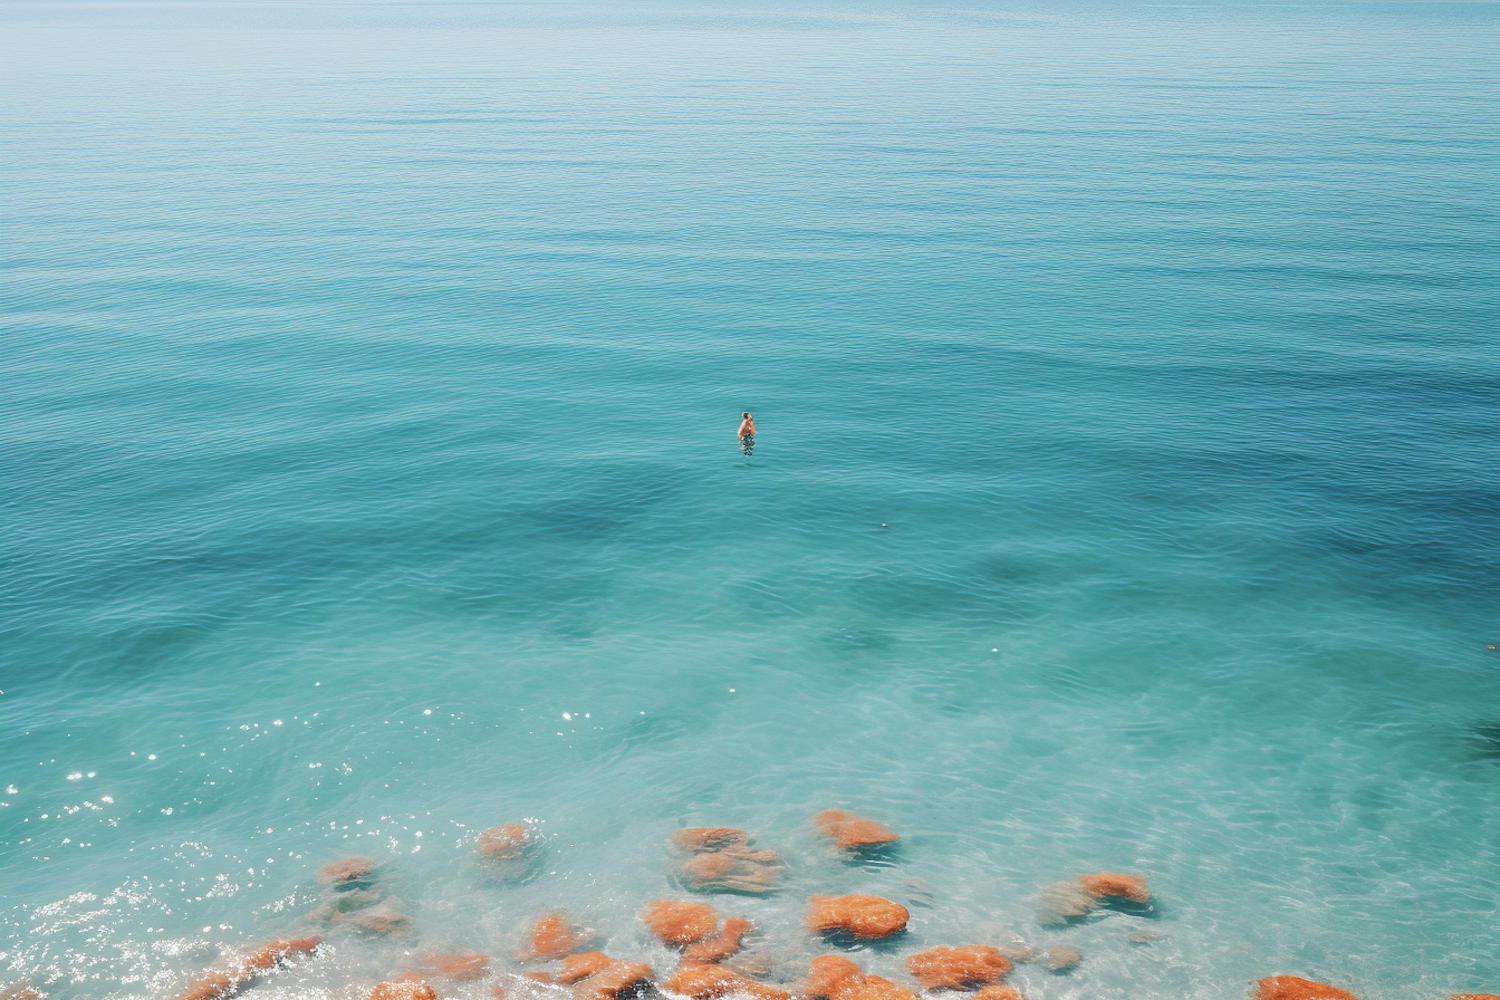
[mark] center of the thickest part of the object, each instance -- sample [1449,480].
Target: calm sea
[1125,497]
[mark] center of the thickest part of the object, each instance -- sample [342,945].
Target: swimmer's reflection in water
[747,433]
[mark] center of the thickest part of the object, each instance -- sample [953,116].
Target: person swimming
[747,429]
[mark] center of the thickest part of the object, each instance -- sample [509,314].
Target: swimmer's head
[747,414]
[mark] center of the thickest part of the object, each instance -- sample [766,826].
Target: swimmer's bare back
[747,428]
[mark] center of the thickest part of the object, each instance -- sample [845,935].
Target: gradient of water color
[1125,495]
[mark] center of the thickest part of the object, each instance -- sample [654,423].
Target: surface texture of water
[1125,496]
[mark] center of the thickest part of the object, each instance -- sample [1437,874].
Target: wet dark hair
[747,413]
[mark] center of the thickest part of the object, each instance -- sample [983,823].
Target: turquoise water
[1125,495]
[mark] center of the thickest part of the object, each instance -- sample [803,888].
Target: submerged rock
[861,916]
[724,861]
[851,831]
[460,968]
[1062,959]
[1294,988]
[347,871]
[382,918]
[699,839]
[552,937]
[678,922]
[1108,885]
[21,991]
[958,968]
[706,982]
[734,870]
[1063,902]
[506,842]
[720,946]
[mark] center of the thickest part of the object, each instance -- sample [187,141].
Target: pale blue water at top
[1125,496]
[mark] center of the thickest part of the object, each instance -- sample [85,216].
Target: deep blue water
[1125,495]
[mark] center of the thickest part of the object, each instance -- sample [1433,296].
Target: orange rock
[461,968]
[504,843]
[828,977]
[876,988]
[680,922]
[355,869]
[538,977]
[710,838]
[958,968]
[722,945]
[861,916]
[849,830]
[1293,988]
[215,985]
[576,967]
[1106,884]
[21,991]
[615,980]
[407,990]
[704,982]
[553,937]
[998,993]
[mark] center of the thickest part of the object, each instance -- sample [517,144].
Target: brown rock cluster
[723,860]
[1294,988]
[958,968]
[853,832]
[718,859]
[859,916]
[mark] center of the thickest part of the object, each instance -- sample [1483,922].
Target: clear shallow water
[1125,496]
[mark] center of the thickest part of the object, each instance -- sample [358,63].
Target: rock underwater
[723,860]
